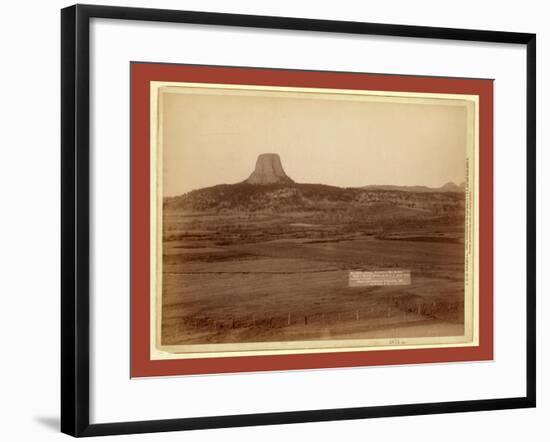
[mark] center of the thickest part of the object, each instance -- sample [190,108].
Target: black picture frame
[75,225]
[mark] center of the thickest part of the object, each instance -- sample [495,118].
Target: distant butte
[269,170]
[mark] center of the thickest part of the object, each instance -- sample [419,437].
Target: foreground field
[240,276]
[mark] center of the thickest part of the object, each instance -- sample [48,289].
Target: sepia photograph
[274,219]
[296,220]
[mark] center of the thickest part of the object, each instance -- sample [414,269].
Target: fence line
[296,318]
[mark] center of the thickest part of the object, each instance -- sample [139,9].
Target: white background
[116,398]
[30,233]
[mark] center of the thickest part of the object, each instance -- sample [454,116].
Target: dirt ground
[237,277]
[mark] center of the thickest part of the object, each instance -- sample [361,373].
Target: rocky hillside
[309,197]
[269,189]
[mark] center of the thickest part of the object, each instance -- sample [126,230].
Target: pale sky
[214,139]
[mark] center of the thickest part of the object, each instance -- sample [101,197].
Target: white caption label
[379,277]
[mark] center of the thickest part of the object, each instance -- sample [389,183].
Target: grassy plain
[240,274]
